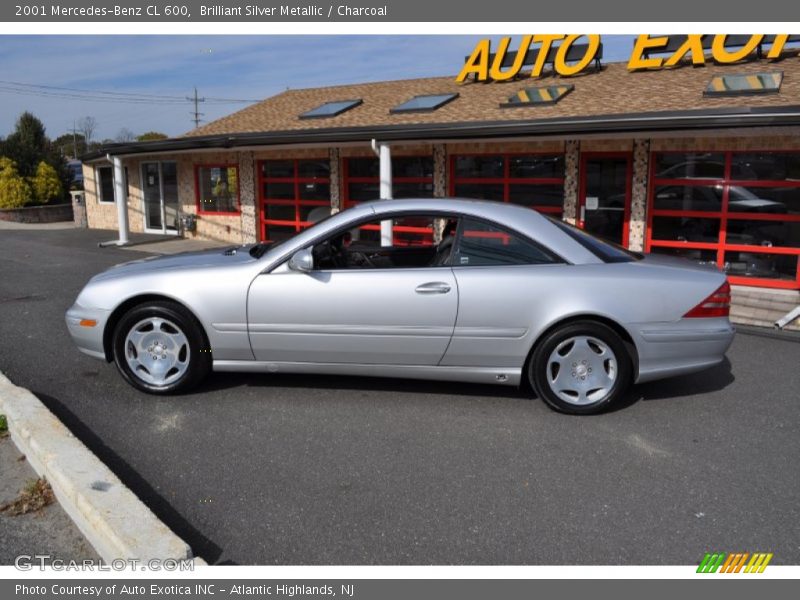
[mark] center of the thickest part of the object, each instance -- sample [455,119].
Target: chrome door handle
[433,287]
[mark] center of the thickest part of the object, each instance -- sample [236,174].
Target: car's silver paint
[352,316]
[261,315]
[437,373]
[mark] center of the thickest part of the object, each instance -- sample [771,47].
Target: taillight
[717,304]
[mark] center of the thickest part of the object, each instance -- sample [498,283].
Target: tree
[87,126]
[27,145]
[125,135]
[151,136]
[46,184]
[14,190]
[70,145]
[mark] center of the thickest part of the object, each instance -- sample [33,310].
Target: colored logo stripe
[734,562]
[711,562]
[758,563]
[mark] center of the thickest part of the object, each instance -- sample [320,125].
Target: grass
[3,426]
[36,494]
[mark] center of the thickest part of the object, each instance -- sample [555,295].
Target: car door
[392,316]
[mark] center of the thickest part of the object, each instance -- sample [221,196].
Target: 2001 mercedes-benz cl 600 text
[432,289]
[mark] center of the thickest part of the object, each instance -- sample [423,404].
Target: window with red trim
[294,194]
[412,177]
[738,210]
[217,189]
[532,180]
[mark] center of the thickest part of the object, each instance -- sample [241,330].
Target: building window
[104,177]
[294,194]
[217,188]
[738,210]
[748,84]
[331,109]
[412,177]
[532,180]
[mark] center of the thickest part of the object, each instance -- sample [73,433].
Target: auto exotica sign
[485,65]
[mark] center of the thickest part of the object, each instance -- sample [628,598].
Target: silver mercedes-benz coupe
[442,289]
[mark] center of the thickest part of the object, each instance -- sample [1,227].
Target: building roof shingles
[613,90]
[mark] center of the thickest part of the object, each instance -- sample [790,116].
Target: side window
[481,244]
[407,241]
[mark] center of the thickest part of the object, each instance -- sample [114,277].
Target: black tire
[196,353]
[540,373]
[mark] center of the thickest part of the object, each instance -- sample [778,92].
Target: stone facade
[247,198]
[440,171]
[335,177]
[638,211]
[571,174]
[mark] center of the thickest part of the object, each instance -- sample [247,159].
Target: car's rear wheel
[580,368]
[160,348]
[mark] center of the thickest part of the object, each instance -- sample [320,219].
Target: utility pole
[196,114]
[74,141]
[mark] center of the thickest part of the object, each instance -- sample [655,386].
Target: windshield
[606,251]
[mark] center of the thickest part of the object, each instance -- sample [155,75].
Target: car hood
[185,260]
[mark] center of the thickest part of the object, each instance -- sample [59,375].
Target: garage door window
[294,194]
[532,180]
[738,210]
[412,177]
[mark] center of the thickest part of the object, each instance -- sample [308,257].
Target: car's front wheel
[580,368]
[160,348]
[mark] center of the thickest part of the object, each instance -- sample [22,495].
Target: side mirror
[302,261]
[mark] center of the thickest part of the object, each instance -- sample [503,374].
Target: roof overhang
[739,117]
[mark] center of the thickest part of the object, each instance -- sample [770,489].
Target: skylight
[331,109]
[538,95]
[424,103]
[745,84]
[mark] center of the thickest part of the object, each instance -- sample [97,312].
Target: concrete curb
[116,523]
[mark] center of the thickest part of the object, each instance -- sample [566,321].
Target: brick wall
[762,307]
[52,213]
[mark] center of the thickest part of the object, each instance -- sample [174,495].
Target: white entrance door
[160,197]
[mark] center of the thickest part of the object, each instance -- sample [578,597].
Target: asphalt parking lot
[326,470]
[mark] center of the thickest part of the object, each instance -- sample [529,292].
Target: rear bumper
[686,346]
[89,340]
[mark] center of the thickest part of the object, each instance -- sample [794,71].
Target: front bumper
[89,340]
[686,346]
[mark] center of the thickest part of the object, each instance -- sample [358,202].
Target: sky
[231,67]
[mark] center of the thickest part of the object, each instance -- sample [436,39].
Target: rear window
[605,251]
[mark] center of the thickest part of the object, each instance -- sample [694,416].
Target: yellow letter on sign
[692,46]
[561,66]
[643,42]
[477,63]
[546,40]
[721,54]
[777,45]
[496,72]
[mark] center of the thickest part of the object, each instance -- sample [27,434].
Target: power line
[21,88]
